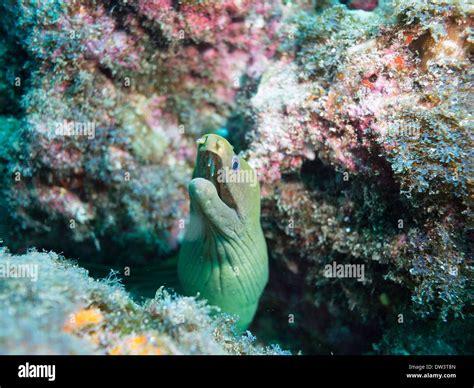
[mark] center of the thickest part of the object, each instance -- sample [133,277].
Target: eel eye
[235,163]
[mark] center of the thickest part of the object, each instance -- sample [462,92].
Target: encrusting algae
[354,118]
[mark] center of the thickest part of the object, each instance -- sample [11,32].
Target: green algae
[34,312]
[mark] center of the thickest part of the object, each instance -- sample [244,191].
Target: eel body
[223,257]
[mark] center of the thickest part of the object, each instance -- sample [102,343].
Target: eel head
[224,188]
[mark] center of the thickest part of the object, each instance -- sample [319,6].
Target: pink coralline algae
[121,92]
[355,114]
[362,145]
[365,5]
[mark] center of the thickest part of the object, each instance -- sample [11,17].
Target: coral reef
[49,305]
[356,115]
[118,93]
[365,5]
[362,139]
[426,338]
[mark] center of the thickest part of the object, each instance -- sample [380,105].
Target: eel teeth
[210,163]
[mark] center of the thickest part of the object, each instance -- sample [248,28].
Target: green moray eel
[224,255]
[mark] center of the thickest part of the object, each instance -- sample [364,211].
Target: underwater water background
[356,117]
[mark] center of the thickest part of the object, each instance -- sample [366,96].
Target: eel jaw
[208,167]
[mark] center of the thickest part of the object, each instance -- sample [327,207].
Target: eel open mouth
[209,166]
